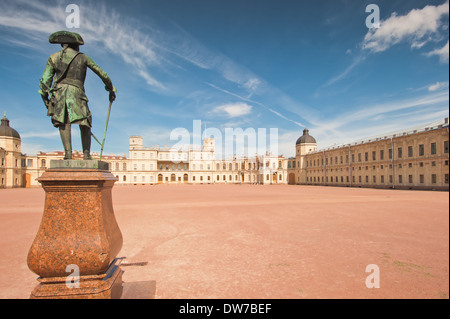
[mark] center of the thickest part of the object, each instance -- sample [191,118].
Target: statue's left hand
[112,96]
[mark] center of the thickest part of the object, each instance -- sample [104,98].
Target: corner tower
[305,144]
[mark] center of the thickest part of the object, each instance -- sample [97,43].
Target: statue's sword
[102,144]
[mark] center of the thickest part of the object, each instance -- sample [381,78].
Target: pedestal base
[78,233]
[105,286]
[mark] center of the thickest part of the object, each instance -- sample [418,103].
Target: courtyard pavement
[253,241]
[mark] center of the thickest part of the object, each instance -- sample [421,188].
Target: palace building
[417,159]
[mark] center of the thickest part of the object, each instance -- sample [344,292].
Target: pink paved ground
[253,241]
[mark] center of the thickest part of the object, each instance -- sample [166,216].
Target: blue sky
[234,64]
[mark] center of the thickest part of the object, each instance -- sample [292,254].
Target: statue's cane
[102,144]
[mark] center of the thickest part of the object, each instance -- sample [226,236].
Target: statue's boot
[66,138]
[86,141]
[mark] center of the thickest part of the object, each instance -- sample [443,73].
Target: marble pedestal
[78,234]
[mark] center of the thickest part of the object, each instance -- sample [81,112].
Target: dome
[306,138]
[6,130]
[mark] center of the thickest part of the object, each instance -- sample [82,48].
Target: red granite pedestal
[78,235]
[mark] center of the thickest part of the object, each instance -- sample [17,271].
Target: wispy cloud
[383,117]
[37,20]
[51,134]
[257,103]
[356,61]
[438,86]
[442,53]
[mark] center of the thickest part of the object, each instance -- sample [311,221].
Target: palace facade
[417,159]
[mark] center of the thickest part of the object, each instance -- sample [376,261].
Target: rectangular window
[390,153]
[374,155]
[445,146]
[422,179]
[390,179]
[382,179]
[400,179]
[410,151]
[433,148]
[382,155]
[366,156]
[400,152]
[410,179]
[433,178]
[359,157]
[421,150]
[446,178]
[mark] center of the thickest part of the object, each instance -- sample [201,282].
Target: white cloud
[442,53]
[438,86]
[234,109]
[417,27]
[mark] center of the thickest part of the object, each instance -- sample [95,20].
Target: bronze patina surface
[62,89]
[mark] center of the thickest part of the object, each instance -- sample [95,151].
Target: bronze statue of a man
[62,89]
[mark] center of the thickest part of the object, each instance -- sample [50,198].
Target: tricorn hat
[66,37]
